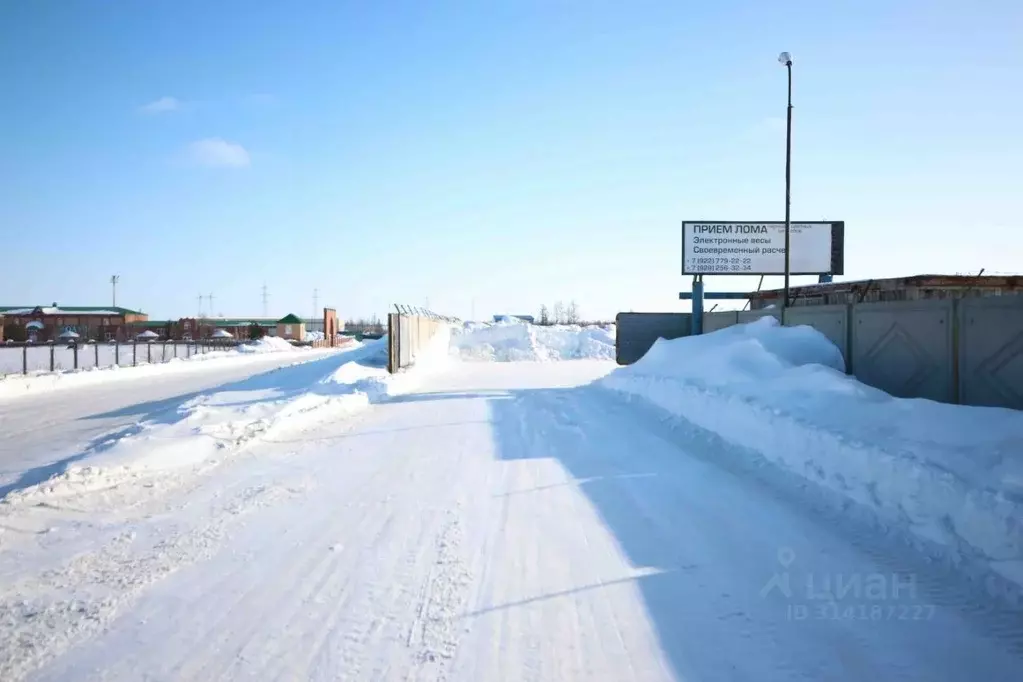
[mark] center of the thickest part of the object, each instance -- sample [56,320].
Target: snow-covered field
[506,520]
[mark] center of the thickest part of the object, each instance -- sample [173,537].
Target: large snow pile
[950,475]
[517,341]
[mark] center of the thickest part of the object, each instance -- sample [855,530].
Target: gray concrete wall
[715,321]
[990,351]
[635,333]
[905,348]
[830,320]
[408,336]
[751,315]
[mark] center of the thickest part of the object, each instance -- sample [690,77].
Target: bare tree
[545,315]
[559,312]
[572,313]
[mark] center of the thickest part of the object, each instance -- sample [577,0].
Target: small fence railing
[27,358]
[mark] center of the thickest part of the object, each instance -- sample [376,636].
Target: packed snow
[950,475]
[516,341]
[521,520]
[149,360]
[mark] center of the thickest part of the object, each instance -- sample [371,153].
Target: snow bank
[950,475]
[268,344]
[202,431]
[17,385]
[518,341]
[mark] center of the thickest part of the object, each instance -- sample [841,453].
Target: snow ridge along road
[508,521]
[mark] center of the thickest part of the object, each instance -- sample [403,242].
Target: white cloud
[161,106]
[217,152]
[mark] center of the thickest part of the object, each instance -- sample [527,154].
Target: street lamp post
[786,59]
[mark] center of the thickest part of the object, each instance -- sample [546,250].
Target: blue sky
[490,154]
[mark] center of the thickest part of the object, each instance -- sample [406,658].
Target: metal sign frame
[837,246]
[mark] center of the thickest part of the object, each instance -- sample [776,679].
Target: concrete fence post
[52,365]
[956,388]
[74,353]
[95,347]
[117,353]
[149,353]
[849,337]
[134,353]
[24,359]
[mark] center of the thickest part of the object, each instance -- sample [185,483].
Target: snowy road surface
[41,431]
[505,522]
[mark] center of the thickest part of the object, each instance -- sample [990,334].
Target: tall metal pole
[788,182]
[113,285]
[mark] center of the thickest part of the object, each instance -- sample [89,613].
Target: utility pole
[114,279]
[266,299]
[316,302]
[211,306]
[200,297]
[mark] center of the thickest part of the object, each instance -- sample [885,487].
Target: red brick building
[46,323]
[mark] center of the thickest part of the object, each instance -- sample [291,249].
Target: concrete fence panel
[830,320]
[405,341]
[751,315]
[408,337]
[635,333]
[905,348]
[990,351]
[715,321]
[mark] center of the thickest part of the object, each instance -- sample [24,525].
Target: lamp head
[785,59]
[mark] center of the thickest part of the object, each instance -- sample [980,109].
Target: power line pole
[211,306]
[114,279]
[200,297]
[266,298]
[316,302]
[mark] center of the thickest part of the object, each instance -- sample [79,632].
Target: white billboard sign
[746,248]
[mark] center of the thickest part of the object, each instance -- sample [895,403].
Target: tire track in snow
[45,615]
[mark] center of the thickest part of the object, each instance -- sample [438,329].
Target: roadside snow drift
[521,341]
[951,475]
[201,431]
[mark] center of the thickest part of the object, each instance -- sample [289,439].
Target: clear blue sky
[512,153]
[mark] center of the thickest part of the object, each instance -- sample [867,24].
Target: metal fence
[967,350]
[55,357]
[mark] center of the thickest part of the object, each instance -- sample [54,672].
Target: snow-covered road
[41,431]
[503,522]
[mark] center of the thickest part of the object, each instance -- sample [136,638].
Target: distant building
[915,288]
[47,323]
[291,327]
